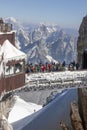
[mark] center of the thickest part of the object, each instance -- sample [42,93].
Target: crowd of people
[51,67]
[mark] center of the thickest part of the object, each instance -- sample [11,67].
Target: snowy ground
[47,117]
[23,109]
[55,76]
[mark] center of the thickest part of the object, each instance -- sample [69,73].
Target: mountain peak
[11,20]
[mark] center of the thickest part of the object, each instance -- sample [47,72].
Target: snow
[8,52]
[24,35]
[57,76]
[17,43]
[10,20]
[11,53]
[1,69]
[22,109]
[7,32]
[51,59]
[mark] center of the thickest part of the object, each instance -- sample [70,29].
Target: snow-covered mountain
[41,41]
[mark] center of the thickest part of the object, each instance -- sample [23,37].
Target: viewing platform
[60,80]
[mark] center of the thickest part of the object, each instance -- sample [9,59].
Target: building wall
[10,37]
[13,82]
[1,85]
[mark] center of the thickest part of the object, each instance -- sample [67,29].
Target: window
[14,69]
[19,67]
[9,70]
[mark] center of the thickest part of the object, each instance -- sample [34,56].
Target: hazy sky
[68,13]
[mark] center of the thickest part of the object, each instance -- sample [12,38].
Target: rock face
[4,125]
[78,112]
[5,106]
[82,94]
[82,44]
[75,117]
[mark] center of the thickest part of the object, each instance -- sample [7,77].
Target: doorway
[84,64]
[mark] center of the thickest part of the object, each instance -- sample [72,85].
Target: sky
[65,13]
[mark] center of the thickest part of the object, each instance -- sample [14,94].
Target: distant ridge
[41,40]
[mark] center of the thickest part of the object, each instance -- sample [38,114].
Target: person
[74,65]
[71,68]
[77,66]
[63,64]
[27,69]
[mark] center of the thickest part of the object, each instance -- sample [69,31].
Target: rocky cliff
[5,106]
[82,94]
[82,43]
[78,112]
